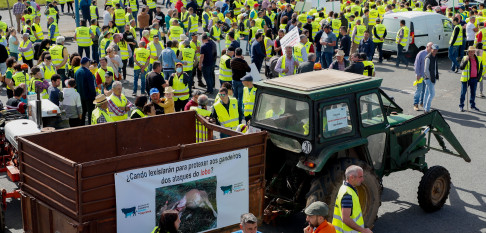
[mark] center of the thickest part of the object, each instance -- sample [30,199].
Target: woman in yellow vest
[137,112]
[180,81]
[38,81]
[100,113]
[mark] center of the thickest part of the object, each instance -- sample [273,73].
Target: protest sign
[209,192]
[290,38]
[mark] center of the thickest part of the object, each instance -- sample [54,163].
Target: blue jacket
[367,47]
[85,84]
[168,58]
[257,54]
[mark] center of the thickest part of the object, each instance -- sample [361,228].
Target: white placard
[210,192]
[290,38]
[454,3]
[336,118]
[254,73]
[334,6]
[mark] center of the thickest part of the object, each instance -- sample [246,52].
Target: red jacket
[179,5]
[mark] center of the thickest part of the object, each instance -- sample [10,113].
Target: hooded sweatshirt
[72,103]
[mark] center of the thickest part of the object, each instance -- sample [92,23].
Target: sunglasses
[222,95]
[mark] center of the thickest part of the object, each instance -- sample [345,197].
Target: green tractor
[321,122]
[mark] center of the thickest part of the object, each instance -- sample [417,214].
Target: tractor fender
[328,152]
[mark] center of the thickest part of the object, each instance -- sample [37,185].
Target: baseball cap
[309,16]
[247,78]
[435,46]
[109,73]
[84,60]
[317,208]
[154,91]
[256,5]
[179,64]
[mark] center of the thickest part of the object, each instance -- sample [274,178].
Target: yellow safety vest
[405,36]
[38,31]
[133,5]
[201,130]
[466,75]
[121,103]
[248,100]
[97,114]
[366,64]
[194,23]
[360,30]
[52,12]
[119,17]
[188,55]
[258,23]
[56,52]
[268,49]
[238,6]
[302,18]
[459,36]
[56,31]
[92,12]
[83,37]
[298,52]
[31,34]
[48,71]
[315,28]
[124,50]
[29,54]
[194,46]
[336,24]
[140,113]
[181,90]
[12,72]
[272,18]
[141,55]
[283,66]
[175,32]
[230,118]
[372,17]
[43,94]
[204,24]
[246,29]
[356,215]
[102,72]
[20,78]
[307,46]
[380,30]
[184,15]
[153,51]
[216,32]
[102,46]
[225,73]
[151,4]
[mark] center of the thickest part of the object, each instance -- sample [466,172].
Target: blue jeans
[136,75]
[168,73]
[121,29]
[379,47]
[94,51]
[472,83]
[318,58]
[429,94]
[86,50]
[401,55]
[326,59]
[453,53]
[418,98]
[208,74]
[134,14]
[238,92]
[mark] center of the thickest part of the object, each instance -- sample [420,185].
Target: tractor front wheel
[325,188]
[434,188]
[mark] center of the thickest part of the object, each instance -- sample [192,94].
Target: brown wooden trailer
[67,176]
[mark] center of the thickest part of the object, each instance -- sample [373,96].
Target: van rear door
[392,25]
[447,28]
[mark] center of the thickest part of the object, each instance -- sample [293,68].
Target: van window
[447,25]
[392,25]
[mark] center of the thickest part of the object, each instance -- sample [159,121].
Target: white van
[424,27]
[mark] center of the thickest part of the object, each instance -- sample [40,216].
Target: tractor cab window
[336,120]
[283,113]
[370,110]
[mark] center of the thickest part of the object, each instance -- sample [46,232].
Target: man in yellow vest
[249,92]
[142,60]
[379,34]
[47,68]
[402,41]
[118,104]
[26,49]
[52,29]
[216,32]
[100,114]
[188,55]
[469,78]
[225,111]
[455,44]
[155,47]
[37,29]
[84,38]
[175,31]
[60,57]
[300,51]
[357,35]
[119,18]
[202,110]
[286,64]
[347,210]
[225,73]
[180,81]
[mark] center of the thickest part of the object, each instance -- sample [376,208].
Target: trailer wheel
[325,188]
[434,188]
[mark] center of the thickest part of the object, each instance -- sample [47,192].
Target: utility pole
[76,9]
[10,13]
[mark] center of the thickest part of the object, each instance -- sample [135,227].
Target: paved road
[464,211]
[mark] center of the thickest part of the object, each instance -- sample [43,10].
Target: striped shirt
[115,109]
[347,200]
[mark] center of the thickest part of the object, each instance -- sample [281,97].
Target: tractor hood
[17,128]
[395,119]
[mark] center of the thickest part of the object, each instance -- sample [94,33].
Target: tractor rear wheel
[434,188]
[325,188]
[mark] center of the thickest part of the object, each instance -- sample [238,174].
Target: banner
[254,73]
[209,192]
[290,38]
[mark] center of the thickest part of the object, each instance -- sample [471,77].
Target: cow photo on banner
[208,192]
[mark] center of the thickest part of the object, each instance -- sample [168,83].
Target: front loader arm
[436,125]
